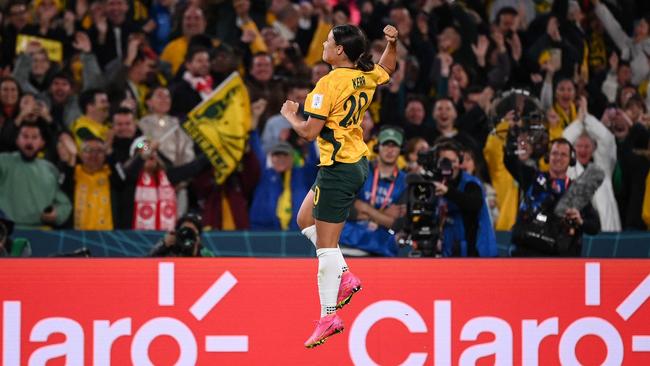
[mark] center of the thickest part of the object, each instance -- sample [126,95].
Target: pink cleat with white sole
[350,284]
[327,326]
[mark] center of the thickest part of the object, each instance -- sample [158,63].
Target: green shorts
[336,188]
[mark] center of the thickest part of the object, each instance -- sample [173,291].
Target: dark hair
[479,164]
[635,100]
[562,78]
[259,54]
[200,40]
[65,75]
[123,110]
[88,97]
[153,89]
[440,99]
[448,144]
[192,51]
[343,8]
[28,124]
[93,138]
[355,45]
[468,71]
[193,218]
[419,98]
[561,141]
[144,54]
[506,10]
[472,89]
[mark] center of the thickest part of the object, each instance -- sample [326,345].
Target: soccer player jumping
[335,108]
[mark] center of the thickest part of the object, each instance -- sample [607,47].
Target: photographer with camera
[183,241]
[539,230]
[446,207]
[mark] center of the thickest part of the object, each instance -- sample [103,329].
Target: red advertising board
[260,311]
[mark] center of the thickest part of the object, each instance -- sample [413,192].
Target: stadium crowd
[93,93]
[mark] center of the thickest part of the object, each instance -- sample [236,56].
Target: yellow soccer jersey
[340,98]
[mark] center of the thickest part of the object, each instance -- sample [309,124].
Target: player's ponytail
[355,45]
[364,63]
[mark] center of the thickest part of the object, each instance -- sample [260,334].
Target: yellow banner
[220,125]
[53,48]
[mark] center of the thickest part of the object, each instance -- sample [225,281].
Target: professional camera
[185,240]
[435,169]
[530,122]
[423,216]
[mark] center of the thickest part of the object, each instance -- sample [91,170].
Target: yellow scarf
[283,209]
[564,119]
[92,200]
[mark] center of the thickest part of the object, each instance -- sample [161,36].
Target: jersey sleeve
[319,102]
[380,74]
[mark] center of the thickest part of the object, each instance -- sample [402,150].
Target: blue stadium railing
[273,244]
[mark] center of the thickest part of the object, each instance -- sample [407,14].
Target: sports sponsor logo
[410,312]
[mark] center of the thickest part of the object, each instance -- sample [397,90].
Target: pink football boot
[327,326]
[349,285]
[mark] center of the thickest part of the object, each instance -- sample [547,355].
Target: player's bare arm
[308,129]
[388,59]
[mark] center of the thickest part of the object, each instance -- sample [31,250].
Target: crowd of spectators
[92,94]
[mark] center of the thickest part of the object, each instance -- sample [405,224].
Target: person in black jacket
[183,241]
[195,84]
[542,191]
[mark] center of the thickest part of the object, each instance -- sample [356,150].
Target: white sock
[310,233]
[329,279]
[342,264]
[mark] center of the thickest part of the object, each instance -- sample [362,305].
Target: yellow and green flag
[220,125]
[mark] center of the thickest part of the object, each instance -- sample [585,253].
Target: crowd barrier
[259,311]
[126,243]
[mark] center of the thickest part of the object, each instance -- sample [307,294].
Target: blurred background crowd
[92,93]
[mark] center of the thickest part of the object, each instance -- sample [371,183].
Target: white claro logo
[533,331]
[105,332]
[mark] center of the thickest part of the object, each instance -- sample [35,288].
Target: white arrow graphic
[635,299]
[213,295]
